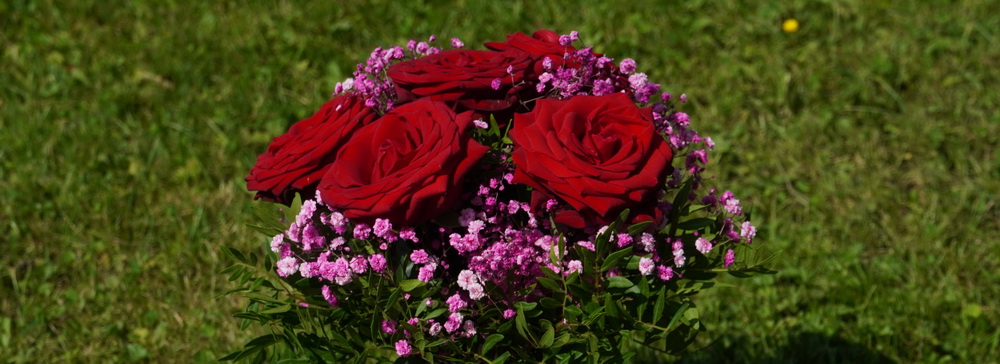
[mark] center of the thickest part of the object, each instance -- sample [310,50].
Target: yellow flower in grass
[790,25]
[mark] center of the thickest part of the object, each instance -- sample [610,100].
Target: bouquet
[534,201]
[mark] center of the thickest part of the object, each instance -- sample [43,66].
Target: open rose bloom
[534,199]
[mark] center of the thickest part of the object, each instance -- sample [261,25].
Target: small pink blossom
[730,258]
[467,278]
[454,321]
[469,327]
[456,303]
[388,327]
[646,266]
[703,245]
[457,43]
[403,348]
[508,314]
[748,231]
[574,266]
[481,124]
[666,273]
[276,242]
[288,266]
[382,228]
[648,242]
[359,265]
[419,256]
[426,272]
[362,231]
[627,66]
[377,262]
[408,233]
[476,291]
[624,240]
[435,329]
[496,84]
[328,296]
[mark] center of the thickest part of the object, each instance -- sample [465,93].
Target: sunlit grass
[865,144]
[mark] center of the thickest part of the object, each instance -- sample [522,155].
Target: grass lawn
[866,144]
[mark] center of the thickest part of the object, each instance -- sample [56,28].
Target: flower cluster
[474,179]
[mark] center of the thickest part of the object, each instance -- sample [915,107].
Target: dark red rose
[295,161]
[462,79]
[407,167]
[597,155]
[541,44]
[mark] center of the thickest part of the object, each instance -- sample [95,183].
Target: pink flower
[456,303]
[646,266]
[469,327]
[467,278]
[435,329]
[377,262]
[328,296]
[648,242]
[419,256]
[276,242]
[288,266]
[454,321]
[403,348]
[359,265]
[748,231]
[388,327]
[382,228]
[627,66]
[703,245]
[574,266]
[426,272]
[666,273]
[508,314]
[476,291]
[624,240]
[409,234]
[730,258]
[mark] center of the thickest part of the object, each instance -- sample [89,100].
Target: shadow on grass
[803,347]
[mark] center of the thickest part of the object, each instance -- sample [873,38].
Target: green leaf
[610,308]
[491,341]
[411,284]
[614,258]
[619,282]
[549,303]
[436,313]
[638,228]
[659,306]
[695,224]
[279,309]
[527,306]
[521,323]
[550,284]
[548,337]
[572,312]
[678,315]
[502,358]
[551,274]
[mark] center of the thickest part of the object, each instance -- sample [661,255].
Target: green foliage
[866,142]
[598,314]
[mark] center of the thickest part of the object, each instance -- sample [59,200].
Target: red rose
[407,167]
[462,78]
[295,161]
[541,44]
[597,154]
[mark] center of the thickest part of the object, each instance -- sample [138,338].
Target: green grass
[865,144]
